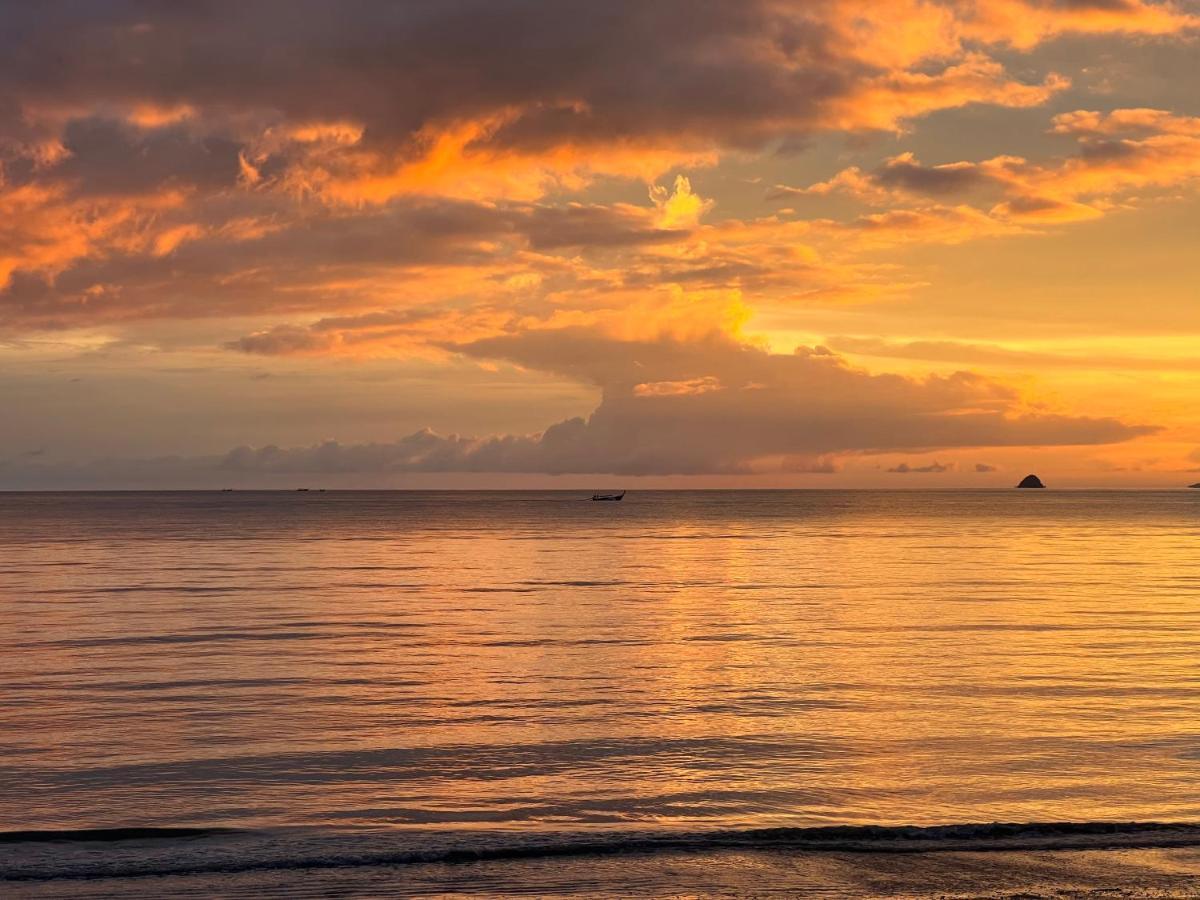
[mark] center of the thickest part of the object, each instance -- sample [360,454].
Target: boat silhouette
[609,496]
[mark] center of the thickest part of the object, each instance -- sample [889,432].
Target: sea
[685,693]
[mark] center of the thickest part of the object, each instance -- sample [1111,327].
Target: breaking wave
[231,854]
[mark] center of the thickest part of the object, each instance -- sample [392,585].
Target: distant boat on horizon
[612,495]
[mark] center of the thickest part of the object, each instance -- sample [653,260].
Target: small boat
[609,496]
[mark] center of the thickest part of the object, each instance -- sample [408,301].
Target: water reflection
[676,660]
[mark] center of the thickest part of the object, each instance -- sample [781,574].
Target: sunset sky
[482,243]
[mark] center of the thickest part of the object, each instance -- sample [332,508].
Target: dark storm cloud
[110,157]
[640,67]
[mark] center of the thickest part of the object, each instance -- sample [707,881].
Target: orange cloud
[1026,23]
[888,101]
[930,224]
[1088,123]
[43,229]
[677,388]
[471,159]
[457,161]
[904,33]
[154,115]
[1164,151]
[484,128]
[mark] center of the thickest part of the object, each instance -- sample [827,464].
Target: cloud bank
[674,407]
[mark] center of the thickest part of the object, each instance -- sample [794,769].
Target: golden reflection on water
[678,660]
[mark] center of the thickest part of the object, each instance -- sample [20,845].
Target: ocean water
[465,692]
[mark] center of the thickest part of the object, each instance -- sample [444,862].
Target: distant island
[1031,481]
[1196,485]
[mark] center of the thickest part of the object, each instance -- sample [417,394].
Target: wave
[131,833]
[379,849]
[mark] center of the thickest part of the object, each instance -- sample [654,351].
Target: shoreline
[1130,872]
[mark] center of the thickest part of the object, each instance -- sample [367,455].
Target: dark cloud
[105,156]
[131,99]
[667,67]
[809,403]
[1105,5]
[579,225]
[698,73]
[905,173]
[930,468]
[333,331]
[282,340]
[1037,207]
[735,430]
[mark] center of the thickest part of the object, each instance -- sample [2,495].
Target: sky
[547,243]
